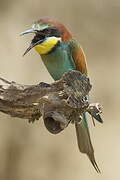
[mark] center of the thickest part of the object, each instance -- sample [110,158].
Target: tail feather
[84,141]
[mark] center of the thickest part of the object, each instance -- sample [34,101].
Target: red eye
[47,31]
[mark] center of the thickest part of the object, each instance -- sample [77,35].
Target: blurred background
[29,151]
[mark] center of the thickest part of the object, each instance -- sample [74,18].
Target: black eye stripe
[38,37]
[49,32]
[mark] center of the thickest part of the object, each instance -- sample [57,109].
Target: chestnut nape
[52,125]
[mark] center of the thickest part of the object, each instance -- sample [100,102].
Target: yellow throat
[47,45]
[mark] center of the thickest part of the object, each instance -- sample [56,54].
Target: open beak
[32,44]
[28,32]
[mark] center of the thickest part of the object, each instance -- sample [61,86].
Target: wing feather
[78,56]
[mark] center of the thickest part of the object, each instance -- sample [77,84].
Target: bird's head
[47,34]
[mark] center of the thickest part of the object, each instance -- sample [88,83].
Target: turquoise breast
[59,61]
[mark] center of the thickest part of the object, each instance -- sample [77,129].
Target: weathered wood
[59,103]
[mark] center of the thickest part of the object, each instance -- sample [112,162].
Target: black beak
[28,32]
[33,43]
[31,46]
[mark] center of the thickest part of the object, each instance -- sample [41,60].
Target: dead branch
[58,103]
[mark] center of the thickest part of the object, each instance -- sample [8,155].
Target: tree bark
[58,103]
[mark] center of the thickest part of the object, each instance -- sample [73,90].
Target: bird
[60,52]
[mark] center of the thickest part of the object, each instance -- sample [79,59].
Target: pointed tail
[84,141]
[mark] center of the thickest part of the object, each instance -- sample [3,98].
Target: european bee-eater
[60,53]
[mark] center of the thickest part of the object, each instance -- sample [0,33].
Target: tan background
[29,151]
